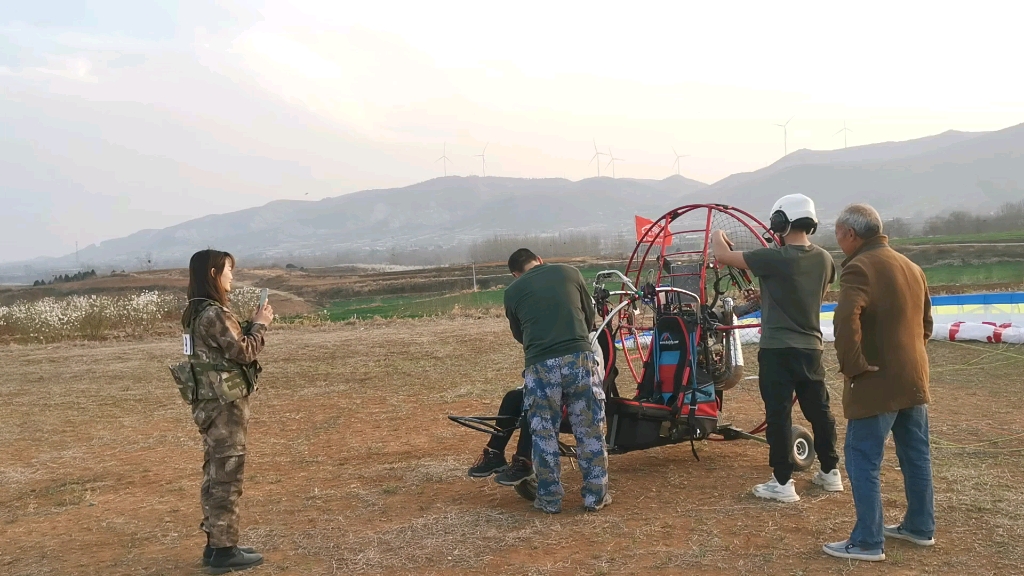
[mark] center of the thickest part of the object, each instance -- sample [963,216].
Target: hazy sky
[120,116]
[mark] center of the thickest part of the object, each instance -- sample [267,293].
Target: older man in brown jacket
[882,322]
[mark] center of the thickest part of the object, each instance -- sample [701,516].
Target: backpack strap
[610,389]
[682,369]
[650,380]
[655,362]
[691,417]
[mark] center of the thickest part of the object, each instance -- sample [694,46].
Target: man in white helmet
[794,277]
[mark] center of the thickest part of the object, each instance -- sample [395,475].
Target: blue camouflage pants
[574,381]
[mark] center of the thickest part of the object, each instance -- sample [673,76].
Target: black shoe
[521,469]
[232,559]
[208,552]
[490,462]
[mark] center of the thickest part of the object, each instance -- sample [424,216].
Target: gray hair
[862,219]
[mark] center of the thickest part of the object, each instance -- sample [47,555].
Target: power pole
[474,276]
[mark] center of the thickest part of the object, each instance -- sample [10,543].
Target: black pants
[783,372]
[512,410]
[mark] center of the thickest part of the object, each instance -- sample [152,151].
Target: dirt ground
[353,468]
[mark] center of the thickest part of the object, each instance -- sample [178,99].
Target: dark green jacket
[550,312]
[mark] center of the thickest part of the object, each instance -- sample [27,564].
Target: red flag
[643,225]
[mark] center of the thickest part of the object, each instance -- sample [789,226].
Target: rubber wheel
[802,448]
[527,489]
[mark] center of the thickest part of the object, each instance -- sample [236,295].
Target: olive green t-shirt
[793,281]
[550,312]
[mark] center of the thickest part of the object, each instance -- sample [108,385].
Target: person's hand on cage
[720,236]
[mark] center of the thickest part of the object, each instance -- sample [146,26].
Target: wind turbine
[678,157]
[444,157]
[483,159]
[844,131]
[785,136]
[612,159]
[597,156]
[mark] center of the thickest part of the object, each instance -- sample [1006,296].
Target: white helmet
[789,209]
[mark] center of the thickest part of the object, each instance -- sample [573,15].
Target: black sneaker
[208,552]
[520,470]
[490,462]
[225,560]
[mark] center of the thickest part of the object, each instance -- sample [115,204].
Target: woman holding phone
[223,358]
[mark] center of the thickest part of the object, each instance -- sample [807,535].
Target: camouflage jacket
[221,348]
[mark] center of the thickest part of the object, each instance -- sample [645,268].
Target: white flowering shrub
[54,319]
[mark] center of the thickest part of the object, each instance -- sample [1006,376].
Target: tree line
[63,278]
[561,245]
[1007,218]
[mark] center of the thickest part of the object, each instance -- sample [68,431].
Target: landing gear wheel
[802,448]
[527,489]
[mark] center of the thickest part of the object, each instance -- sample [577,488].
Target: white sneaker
[772,490]
[831,482]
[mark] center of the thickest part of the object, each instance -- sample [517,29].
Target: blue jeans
[865,443]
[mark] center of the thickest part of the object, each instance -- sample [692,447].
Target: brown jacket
[883,319]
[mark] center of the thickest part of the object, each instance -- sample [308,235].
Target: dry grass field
[353,468]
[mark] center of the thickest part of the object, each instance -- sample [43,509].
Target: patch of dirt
[353,468]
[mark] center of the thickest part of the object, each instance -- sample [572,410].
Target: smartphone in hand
[263,299]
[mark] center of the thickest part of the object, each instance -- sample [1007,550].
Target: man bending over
[550,312]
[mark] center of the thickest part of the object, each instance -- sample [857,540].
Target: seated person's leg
[524,448]
[521,467]
[492,460]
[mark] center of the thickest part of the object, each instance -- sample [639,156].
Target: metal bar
[683,252]
[703,280]
[481,424]
[615,311]
[737,327]
[732,433]
[678,290]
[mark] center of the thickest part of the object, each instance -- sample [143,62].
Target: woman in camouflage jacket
[223,355]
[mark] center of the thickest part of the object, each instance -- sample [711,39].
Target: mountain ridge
[914,178]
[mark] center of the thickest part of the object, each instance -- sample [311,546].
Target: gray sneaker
[897,531]
[604,502]
[545,509]
[846,550]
